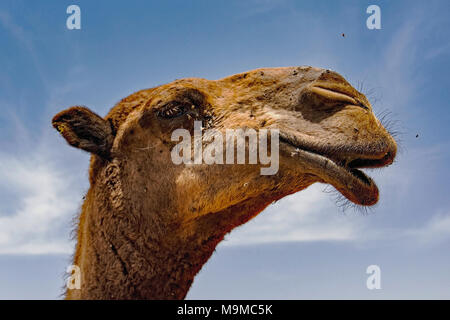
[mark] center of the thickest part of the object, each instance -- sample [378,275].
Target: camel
[147,226]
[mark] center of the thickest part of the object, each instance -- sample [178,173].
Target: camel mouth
[342,170]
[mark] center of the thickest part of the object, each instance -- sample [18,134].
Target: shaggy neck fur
[123,254]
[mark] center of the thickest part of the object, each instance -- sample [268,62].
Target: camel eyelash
[174,110]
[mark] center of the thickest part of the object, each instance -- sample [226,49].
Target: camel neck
[129,249]
[122,257]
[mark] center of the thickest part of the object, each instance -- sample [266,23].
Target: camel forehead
[234,85]
[266,75]
[276,73]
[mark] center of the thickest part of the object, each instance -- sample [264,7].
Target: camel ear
[86,130]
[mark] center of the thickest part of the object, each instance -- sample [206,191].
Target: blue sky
[303,246]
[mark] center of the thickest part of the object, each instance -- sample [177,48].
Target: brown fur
[147,226]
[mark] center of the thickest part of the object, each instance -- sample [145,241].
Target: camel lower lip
[354,184]
[361,176]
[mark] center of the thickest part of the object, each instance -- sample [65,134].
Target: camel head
[327,132]
[150,222]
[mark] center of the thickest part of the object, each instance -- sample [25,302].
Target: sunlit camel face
[327,132]
[326,126]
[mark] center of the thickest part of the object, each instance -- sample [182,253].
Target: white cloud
[41,190]
[310,215]
[435,230]
[39,221]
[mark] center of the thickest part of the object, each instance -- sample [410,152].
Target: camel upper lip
[336,93]
[341,169]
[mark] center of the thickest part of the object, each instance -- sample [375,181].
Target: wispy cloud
[310,215]
[256,7]
[40,193]
[39,221]
[435,231]
[396,73]
[24,39]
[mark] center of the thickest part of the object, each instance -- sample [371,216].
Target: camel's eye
[173,110]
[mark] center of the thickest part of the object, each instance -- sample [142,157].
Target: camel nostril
[389,157]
